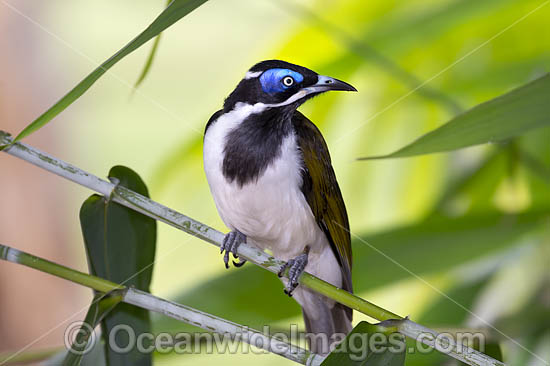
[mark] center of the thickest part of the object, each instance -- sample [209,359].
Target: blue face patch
[276,80]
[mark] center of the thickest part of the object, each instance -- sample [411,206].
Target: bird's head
[279,84]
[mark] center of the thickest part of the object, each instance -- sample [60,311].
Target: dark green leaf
[149,62]
[150,58]
[493,350]
[120,244]
[497,120]
[174,12]
[100,307]
[361,348]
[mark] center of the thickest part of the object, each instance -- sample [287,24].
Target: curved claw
[296,267]
[230,243]
[226,259]
[239,264]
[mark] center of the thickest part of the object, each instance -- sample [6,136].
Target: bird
[270,174]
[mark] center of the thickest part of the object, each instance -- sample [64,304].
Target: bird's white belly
[271,211]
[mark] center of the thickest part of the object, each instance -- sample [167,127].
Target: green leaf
[150,58]
[149,62]
[360,348]
[497,120]
[120,244]
[494,350]
[174,12]
[100,307]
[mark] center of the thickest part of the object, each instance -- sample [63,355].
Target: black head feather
[250,89]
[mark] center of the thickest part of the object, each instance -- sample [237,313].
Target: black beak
[323,84]
[326,83]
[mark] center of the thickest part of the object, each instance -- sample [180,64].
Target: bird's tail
[323,323]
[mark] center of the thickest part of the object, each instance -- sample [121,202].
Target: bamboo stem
[219,325]
[171,217]
[84,279]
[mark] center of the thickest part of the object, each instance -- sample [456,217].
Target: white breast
[271,211]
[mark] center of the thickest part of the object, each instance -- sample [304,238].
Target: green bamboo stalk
[171,217]
[343,297]
[84,279]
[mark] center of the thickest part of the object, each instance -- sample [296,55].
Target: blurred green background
[457,240]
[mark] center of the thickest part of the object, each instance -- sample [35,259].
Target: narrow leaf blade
[100,307]
[150,58]
[497,120]
[148,62]
[174,12]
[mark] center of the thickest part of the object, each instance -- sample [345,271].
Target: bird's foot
[295,267]
[230,243]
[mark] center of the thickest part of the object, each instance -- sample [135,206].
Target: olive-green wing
[323,193]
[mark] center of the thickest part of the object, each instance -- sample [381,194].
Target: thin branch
[162,213]
[171,309]
[84,279]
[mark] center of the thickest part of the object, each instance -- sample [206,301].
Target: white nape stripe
[298,95]
[293,98]
[251,75]
[244,109]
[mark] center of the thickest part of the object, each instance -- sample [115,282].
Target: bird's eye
[288,81]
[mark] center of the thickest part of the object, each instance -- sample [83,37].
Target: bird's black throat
[255,144]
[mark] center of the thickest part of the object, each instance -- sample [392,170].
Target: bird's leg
[296,267]
[230,244]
